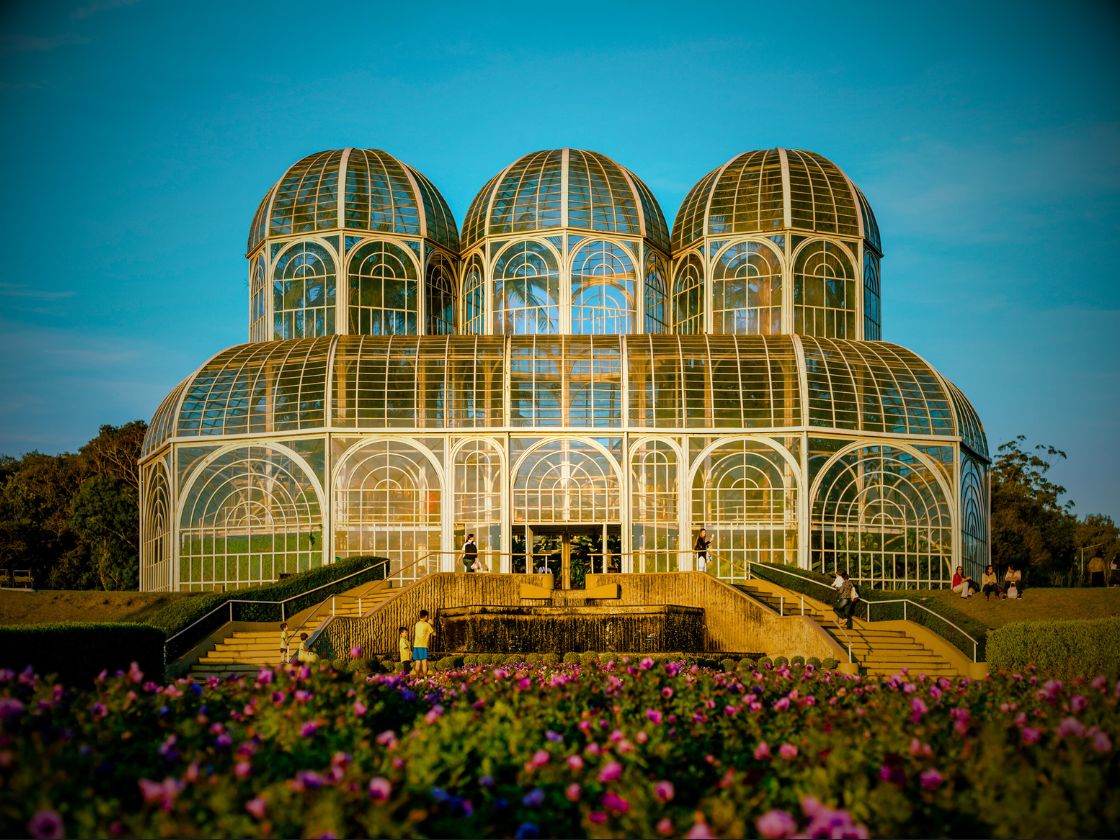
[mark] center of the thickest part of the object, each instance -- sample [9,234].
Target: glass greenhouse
[566,380]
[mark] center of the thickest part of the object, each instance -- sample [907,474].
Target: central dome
[565,188]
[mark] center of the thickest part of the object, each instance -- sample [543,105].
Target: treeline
[73,519]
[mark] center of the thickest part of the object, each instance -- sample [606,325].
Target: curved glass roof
[378,194]
[565,188]
[770,190]
[743,382]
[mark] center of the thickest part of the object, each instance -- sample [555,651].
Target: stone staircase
[877,650]
[247,651]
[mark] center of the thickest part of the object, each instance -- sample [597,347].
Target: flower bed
[627,748]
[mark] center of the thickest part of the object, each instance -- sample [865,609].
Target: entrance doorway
[567,552]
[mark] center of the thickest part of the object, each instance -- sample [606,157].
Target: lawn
[1036,605]
[49,606]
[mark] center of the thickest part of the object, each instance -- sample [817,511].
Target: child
[305,655]
[423,632]
[285,643]
[405,647]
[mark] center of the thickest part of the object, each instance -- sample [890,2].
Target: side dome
[528,196]
[773,190]
[380,194]
[357,242]
[564,241]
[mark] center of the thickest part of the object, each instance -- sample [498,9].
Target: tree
[1031,526]
[115,452]
[105,514]
[1098,535]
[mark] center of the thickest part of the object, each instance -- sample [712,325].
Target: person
[421,635]
[470,554]
[1096,571]
[285,643]
[961,583]
[988,579]
[405,647]
[305,655]
[701,549]
[542,567]
[1012,580]
[838,581]
[846,600]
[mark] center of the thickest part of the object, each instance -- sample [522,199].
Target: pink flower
[610,772]
[1101,742]
[762,751]
[308,729]
[575,762]
[242,769]
[653,716]
[572,791]
[356,652]
[615,803]
[597,817]
[256,807]
[433,714]
[45,825]
[665,827]
[782,704]
[961,719]
[666,692]
[787,751]
[161,793]
[664,791]
[700,830]
[931,779]
[917,709]
[388,738]
[1030,735]
[1079,703]
[359,708]
[646,664]
[10,709]
[379,788]
[135,675]
[540,758]
[776,824]
[1070,726]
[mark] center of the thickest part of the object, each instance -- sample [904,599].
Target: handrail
[937,615]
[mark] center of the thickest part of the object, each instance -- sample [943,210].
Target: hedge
[894,612]
[184,612]
[79,652]
[1059,648]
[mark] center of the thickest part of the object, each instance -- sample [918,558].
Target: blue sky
[140,136]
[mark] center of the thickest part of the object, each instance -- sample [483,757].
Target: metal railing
[16,579]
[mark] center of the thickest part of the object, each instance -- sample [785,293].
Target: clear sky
[138,138]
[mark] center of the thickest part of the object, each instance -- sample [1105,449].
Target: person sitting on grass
[405,647]
[1013,582]
[961,583]
[988,579]
[305,655]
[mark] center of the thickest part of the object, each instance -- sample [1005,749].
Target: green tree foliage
[73,519]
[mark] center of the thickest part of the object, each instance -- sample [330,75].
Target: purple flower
[308,729]
[10,708]
[615,803]
[1030,735]
[931,779]
[664,791]
[265,676]
[555,737]
[776,824]
[309,780]
[379,788]
[653,715]
[610,772]
[533,798]
[45,825]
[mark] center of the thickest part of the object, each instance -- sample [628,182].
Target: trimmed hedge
[1061,648]
[978,630]
[182,613]
[79,652]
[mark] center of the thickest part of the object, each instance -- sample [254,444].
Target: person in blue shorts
[422,633]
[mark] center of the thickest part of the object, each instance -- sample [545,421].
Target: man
[701,549]
[470,554]
[420,637]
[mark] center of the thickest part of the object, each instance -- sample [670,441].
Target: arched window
[745,494]
[382,280]
[155,557]
[303,292]
[657,297]
[974,517]
[387,504]
[439,300]
[566,481]
[872,317]
[688,296]
[653,507]
[474,298]
[747,290]
[880,515]
[478,497]
[824,292]
[527,291]
[604,290]
[251,514]
[257,301]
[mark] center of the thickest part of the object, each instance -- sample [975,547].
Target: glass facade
[566,378]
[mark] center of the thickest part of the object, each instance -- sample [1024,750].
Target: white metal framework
[566,373]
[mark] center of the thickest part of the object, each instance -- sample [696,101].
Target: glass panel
[824,293]
[604,290]
[439,300]
[382,281]
[688,295]
[747,290]
[527,290]
[303,292]
[653,507]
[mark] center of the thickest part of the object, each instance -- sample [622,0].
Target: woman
[988,581]
[960,583]
[846,600]
[1013,583]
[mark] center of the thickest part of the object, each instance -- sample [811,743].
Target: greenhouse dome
[568,395]
[352,241]
[564,241]
[777,241]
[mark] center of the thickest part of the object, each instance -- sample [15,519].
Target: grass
[1036,605]
[51,606]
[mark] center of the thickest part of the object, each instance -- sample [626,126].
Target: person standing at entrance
[470,554]
[701,548]
[421,634]
[1096,571]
